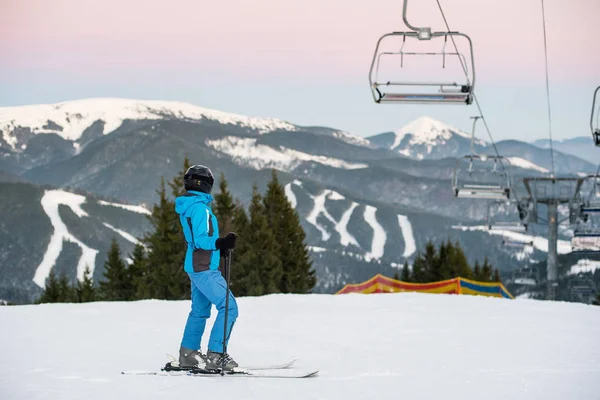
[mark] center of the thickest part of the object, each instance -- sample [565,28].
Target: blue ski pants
[208,288]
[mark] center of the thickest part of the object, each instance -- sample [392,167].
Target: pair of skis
[260,371]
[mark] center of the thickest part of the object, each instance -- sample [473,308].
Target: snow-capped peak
[426,130]
[70,119]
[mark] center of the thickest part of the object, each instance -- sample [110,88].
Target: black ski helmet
[198,178]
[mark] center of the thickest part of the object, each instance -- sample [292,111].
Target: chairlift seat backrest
[434,91]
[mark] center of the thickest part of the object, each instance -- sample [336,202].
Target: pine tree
[224,207]
[444,267]
[486,271]
[240,281]
[179,242]
[115,286]
[431,263]
[458,261]
[67,292]
[477,271]
[138,273]
[496,277]
[176,184]
[261,259]
[396,276]
[298,275]
[86,291]
[419,272]
[166,252]
[52,290]
[405,275]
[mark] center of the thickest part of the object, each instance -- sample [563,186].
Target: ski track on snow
[410,247]
[136,209]
[318,209]
[50,203]
[289,193]
[124,234]
[341,226]
[379,236]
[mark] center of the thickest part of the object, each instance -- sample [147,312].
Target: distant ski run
[410,247]
[50,203]
[379,236]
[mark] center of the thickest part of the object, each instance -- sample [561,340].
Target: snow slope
[410,247]
[525,164]
[74,117]
[50,202]
[379,236]
[584,265]
[387,346]
[245,151]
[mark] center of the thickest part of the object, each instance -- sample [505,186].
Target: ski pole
[227,276]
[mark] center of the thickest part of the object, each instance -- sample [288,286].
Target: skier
[201,233]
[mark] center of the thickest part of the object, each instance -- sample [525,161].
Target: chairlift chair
[586,240]
[517,243]
[595,118]
[386,89]
[500,225]
[525,276]
[480,176]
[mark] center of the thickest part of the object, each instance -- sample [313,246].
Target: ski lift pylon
[480,176]
[595,118]
[417,91]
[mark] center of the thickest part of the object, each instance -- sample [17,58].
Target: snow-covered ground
[388,346]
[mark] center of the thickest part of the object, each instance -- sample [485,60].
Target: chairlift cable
[476,100]
[548,88]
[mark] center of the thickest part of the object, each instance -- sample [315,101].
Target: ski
[276,373]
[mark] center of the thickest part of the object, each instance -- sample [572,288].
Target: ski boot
[216,361]
[191,359]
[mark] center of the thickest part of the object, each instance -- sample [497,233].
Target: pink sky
[322,39]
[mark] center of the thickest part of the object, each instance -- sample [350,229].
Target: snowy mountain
[381,346]
[365,209]
[427,138]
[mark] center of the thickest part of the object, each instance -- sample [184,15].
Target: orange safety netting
[382,284]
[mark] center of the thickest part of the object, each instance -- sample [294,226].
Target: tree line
[271,255]
[446,262]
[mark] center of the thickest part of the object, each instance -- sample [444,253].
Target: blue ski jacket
[200,229]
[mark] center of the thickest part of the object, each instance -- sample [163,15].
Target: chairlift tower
[553,191]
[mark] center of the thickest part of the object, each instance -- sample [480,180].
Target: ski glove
[226,243]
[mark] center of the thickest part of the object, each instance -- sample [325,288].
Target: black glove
[226,243]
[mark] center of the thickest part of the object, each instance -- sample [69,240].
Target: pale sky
[303,61]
